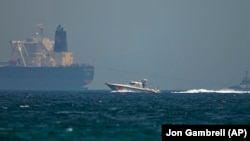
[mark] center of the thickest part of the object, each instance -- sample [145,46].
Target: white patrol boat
[132,86]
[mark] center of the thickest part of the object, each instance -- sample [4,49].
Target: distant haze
[175,44]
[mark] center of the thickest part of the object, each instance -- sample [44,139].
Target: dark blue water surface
[104,115]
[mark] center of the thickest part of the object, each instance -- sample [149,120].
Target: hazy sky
[175,44]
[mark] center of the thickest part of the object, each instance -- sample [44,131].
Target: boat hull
[46,78]
[123,87]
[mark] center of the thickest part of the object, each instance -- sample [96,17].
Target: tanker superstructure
[39,63]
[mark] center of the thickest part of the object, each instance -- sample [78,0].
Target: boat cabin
[141,84]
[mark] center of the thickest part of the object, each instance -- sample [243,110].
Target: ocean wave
[223,91]
[24,106]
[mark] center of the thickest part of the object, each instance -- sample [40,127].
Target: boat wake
[223,91]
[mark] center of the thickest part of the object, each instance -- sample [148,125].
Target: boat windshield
[135,83]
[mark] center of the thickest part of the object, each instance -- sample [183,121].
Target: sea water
[102,115]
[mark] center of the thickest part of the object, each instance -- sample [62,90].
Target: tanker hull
[46,78]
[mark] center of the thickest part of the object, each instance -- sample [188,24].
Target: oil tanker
[39,63]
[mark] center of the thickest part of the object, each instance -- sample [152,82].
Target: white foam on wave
[24,106]
[223,91]
[69,129]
